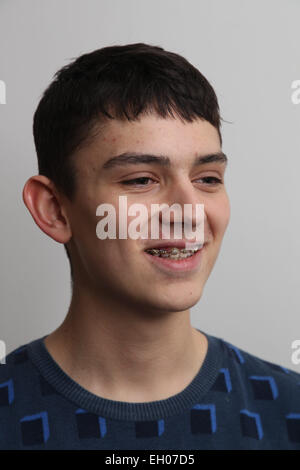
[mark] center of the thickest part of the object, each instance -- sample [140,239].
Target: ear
[44,204]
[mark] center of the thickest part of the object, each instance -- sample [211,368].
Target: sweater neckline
[128,411]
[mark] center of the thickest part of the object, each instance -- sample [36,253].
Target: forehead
[181,141]
[155,131]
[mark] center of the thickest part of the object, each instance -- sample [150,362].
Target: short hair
[114,82]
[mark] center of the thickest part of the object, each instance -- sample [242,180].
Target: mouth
[173,252]
[174,259]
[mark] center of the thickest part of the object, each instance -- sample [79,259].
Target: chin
[176,301]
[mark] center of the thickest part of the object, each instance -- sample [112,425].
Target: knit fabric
[236,401]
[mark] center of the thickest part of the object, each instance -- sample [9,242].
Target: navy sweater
[236,401]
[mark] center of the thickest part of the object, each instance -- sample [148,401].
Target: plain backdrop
[249,51]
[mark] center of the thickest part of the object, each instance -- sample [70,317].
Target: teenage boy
[126,369]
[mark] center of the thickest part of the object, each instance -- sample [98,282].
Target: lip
[172,243]
[168,265]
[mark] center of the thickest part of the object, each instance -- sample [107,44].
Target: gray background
[249,51]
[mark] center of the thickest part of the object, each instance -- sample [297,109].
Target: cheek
[219,216]
[132,220]
[84,226]
[226,211]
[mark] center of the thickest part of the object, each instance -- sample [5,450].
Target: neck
[127,353]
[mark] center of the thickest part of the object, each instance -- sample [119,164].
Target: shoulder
[15,357]
[15,369]
[251,360]
[267,379]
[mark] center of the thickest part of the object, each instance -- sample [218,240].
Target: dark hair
[119,82]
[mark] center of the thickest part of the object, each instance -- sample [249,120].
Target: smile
[172,252]
[174,259]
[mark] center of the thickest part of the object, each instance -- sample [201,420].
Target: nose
[181,192]
[189,208]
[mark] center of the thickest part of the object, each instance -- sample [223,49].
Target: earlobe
[41,200]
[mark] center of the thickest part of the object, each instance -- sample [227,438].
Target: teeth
[172,253]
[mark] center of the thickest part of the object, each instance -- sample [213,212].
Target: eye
[141,180]
[216,180]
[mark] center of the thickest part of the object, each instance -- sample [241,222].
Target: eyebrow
[135,158]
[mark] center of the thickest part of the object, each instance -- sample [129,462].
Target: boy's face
[120,268]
